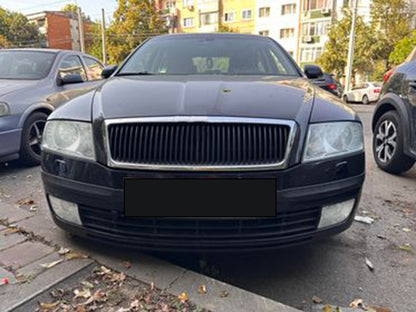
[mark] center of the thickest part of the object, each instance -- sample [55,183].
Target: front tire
[31,139]
[366,101]
[388,144]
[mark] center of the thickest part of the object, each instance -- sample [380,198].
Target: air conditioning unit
[325,11]
[308,39]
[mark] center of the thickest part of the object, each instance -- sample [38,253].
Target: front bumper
[301,192]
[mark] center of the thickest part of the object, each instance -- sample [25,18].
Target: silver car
[364,93]
[33,82]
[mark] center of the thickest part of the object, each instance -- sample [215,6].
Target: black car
[204,142]
[394,121]
[326,81]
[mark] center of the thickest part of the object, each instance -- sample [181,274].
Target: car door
[70,64]
[408,96]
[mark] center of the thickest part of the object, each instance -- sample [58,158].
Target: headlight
[327,140]
[70,138]
[4,109]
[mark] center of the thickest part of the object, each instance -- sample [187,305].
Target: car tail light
[331,86]
[376,90]
[387,75]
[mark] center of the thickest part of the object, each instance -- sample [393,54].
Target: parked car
[410,58]
[33,82]
[204,142]
[394,122]
[365,93]
[328,83]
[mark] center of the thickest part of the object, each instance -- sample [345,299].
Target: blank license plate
[200,198]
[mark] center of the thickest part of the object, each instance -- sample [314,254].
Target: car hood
[10,86]
[259,97]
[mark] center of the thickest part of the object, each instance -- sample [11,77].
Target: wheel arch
[40,107]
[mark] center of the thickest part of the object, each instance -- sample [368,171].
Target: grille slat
[198,143]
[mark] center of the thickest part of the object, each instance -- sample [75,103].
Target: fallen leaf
[135,304]
[374,308]
[366,220]
[183,297]
[357,303]
[10,231]
[63,251]
[84,293]
[127,264]
[87,285]
[152,286]
[25,201]
[75,255]
[23,278]
[406,248]
[327,308]
[49,306]
[406,230]
[102,270]
[316,299]
[98,296]
[202,289]
[118,277]
[52,264]
[223,293]
[369,264]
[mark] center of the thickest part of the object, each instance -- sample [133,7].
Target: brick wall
[59,32]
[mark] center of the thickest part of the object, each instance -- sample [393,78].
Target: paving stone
[23,254]
[6,274]
[2,227]
[9,240]
[13,214]
[34,269]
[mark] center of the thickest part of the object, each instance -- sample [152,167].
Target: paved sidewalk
[32,261]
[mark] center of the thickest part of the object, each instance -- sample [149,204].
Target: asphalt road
[333,269]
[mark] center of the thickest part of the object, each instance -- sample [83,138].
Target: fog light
[337,213]
[65,210]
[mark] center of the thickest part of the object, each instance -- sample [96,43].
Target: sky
[89,7]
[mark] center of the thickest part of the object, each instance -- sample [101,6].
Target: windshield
[25,64]
[210,55]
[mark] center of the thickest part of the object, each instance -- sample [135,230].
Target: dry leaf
[357,303]
[327,308]
[87,285]
[223,293]
[75,255]
[25,201]
[374,308]
[98,296]
[366,220]
[10,231]
[202,289]
[183,297]
[152,286]
[84,293]
[406,248]
[135,304]
[49,306]
[127,264]
[369,264]
[316,299]
[63,251]
[406,230]
[52,264]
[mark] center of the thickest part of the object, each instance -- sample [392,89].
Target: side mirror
[108,71]
[70,78]
[313,71]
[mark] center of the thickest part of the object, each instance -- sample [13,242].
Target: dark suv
[394,121]
[204,142]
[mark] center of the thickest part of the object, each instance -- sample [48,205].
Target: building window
[315,5]
[264,12]
[187,3]
[209,19]
[188,22]
[287,33]
[310,54]
[41,22]
[170,4]
[229,17]
[288,9]
[264,33]
[315,28]
[246,14]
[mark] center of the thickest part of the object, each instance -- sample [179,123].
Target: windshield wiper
[143,73]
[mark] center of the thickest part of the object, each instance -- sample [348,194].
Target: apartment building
[280,21]
[61,29]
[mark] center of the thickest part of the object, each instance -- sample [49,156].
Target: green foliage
[134,21]
[402,49]
[16,30]
[334,58]
[226,29]
[93,40]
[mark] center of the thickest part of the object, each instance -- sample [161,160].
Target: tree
[4,43]
[73,8]
[134,21]
[390,22]
[17,31]
[334,58]
[402,49]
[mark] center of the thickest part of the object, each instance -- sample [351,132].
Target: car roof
[56,51]
[211,35]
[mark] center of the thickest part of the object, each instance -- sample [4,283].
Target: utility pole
[81,30]
[350,59]
[104,50]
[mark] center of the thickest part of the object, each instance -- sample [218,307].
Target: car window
[94,68]
[210,55]
[72,65]
[25,64]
